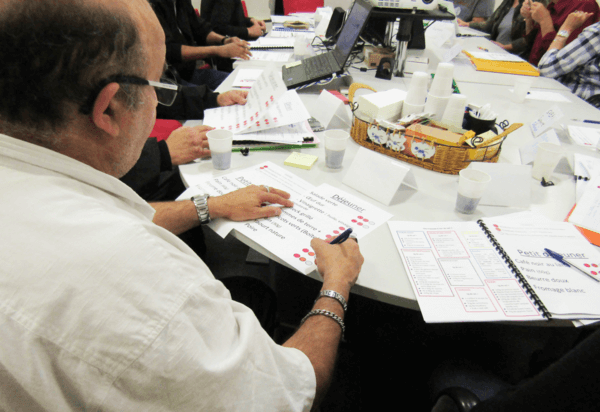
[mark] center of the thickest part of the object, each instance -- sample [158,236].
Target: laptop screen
[351,30]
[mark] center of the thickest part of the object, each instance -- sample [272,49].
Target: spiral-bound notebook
[497,269]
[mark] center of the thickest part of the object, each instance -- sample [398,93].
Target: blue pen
[586,121]
[343,237]
[565,262]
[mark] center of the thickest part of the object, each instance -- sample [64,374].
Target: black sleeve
[567,385]
[226,17]
[144,177]
[173,39]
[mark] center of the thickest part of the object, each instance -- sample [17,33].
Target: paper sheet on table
[283,19]
[585,168]
[320,212]
[498,57]
[510,185]
[546,96]
[272,42]
[584,136]
[245,78]
[271,56]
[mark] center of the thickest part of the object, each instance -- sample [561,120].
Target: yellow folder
[495,66]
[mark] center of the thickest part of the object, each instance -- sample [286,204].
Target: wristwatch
[201,203]
[224,39]
[563,33]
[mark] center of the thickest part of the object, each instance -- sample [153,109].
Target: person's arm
[240,205]
[230,50]
[319,336]
[483,11]
[228,18]
[561,59]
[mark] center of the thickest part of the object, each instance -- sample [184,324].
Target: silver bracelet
[328,314]
[333,295]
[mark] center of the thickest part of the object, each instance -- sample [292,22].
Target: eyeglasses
[166,90]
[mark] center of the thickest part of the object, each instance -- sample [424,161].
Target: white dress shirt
[100,309]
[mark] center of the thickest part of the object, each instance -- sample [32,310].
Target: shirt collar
[59,163]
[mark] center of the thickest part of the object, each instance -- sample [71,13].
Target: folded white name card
[378,176]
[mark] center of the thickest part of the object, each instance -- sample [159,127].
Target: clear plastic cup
[547,157]
[471,186]
[335,146]
[220,143]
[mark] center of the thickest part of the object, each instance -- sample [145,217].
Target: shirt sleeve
[223,17]
[556,63]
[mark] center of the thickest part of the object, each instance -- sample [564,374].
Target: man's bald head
[55,52]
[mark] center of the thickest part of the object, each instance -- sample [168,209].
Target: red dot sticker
[311,253]
[354,220]
[360,217]
[594,273]
[327,236]
[366,220]
[594,265]
[296,255]
[587,265]
[360,224]
[302,259]
[336,232]
[266,166]
[342,228]
[305,250]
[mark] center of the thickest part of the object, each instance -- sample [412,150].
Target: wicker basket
[423,151]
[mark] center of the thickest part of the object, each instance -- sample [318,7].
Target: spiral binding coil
[515,270]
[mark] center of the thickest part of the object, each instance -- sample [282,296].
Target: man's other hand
[232,97]
[233,49]
[249,203]
[188,143]
[338,264]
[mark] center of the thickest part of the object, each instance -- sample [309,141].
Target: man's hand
[255,30]
[236,40]
[247,203]
[539,13]
[232,49]
[338,264]
[462,23]
[232,97]
[188,143]
[575,20]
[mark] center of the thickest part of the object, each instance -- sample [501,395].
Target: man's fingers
[274,198]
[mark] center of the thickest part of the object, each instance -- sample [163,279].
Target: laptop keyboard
[317,66]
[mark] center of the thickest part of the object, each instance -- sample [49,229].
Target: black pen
[343,237]
[586,121]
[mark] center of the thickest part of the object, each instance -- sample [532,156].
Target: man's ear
[106,106]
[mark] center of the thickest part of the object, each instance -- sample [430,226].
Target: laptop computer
[322,66]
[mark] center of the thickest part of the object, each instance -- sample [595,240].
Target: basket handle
[356,86]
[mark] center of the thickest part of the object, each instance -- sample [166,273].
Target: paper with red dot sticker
[269,105]
[319,212]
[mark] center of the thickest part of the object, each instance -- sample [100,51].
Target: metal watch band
[333,295]
[201,203]
[563,33]
[329,315]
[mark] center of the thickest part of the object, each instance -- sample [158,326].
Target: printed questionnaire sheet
[457,275]
[320,212]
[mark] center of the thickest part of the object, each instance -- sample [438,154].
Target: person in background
[506,27]
[101,309]
[474,10]
[542,23]
[577,64]
[227,18]
[190,38]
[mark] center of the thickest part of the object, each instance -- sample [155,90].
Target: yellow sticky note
[301,160]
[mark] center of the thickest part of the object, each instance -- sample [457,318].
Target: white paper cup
[455,110]
[521,88]
[220,143]
[408,109]
[417,89]
[442,82]
[471,185]
[547,157]
[436,105]
[335,146]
